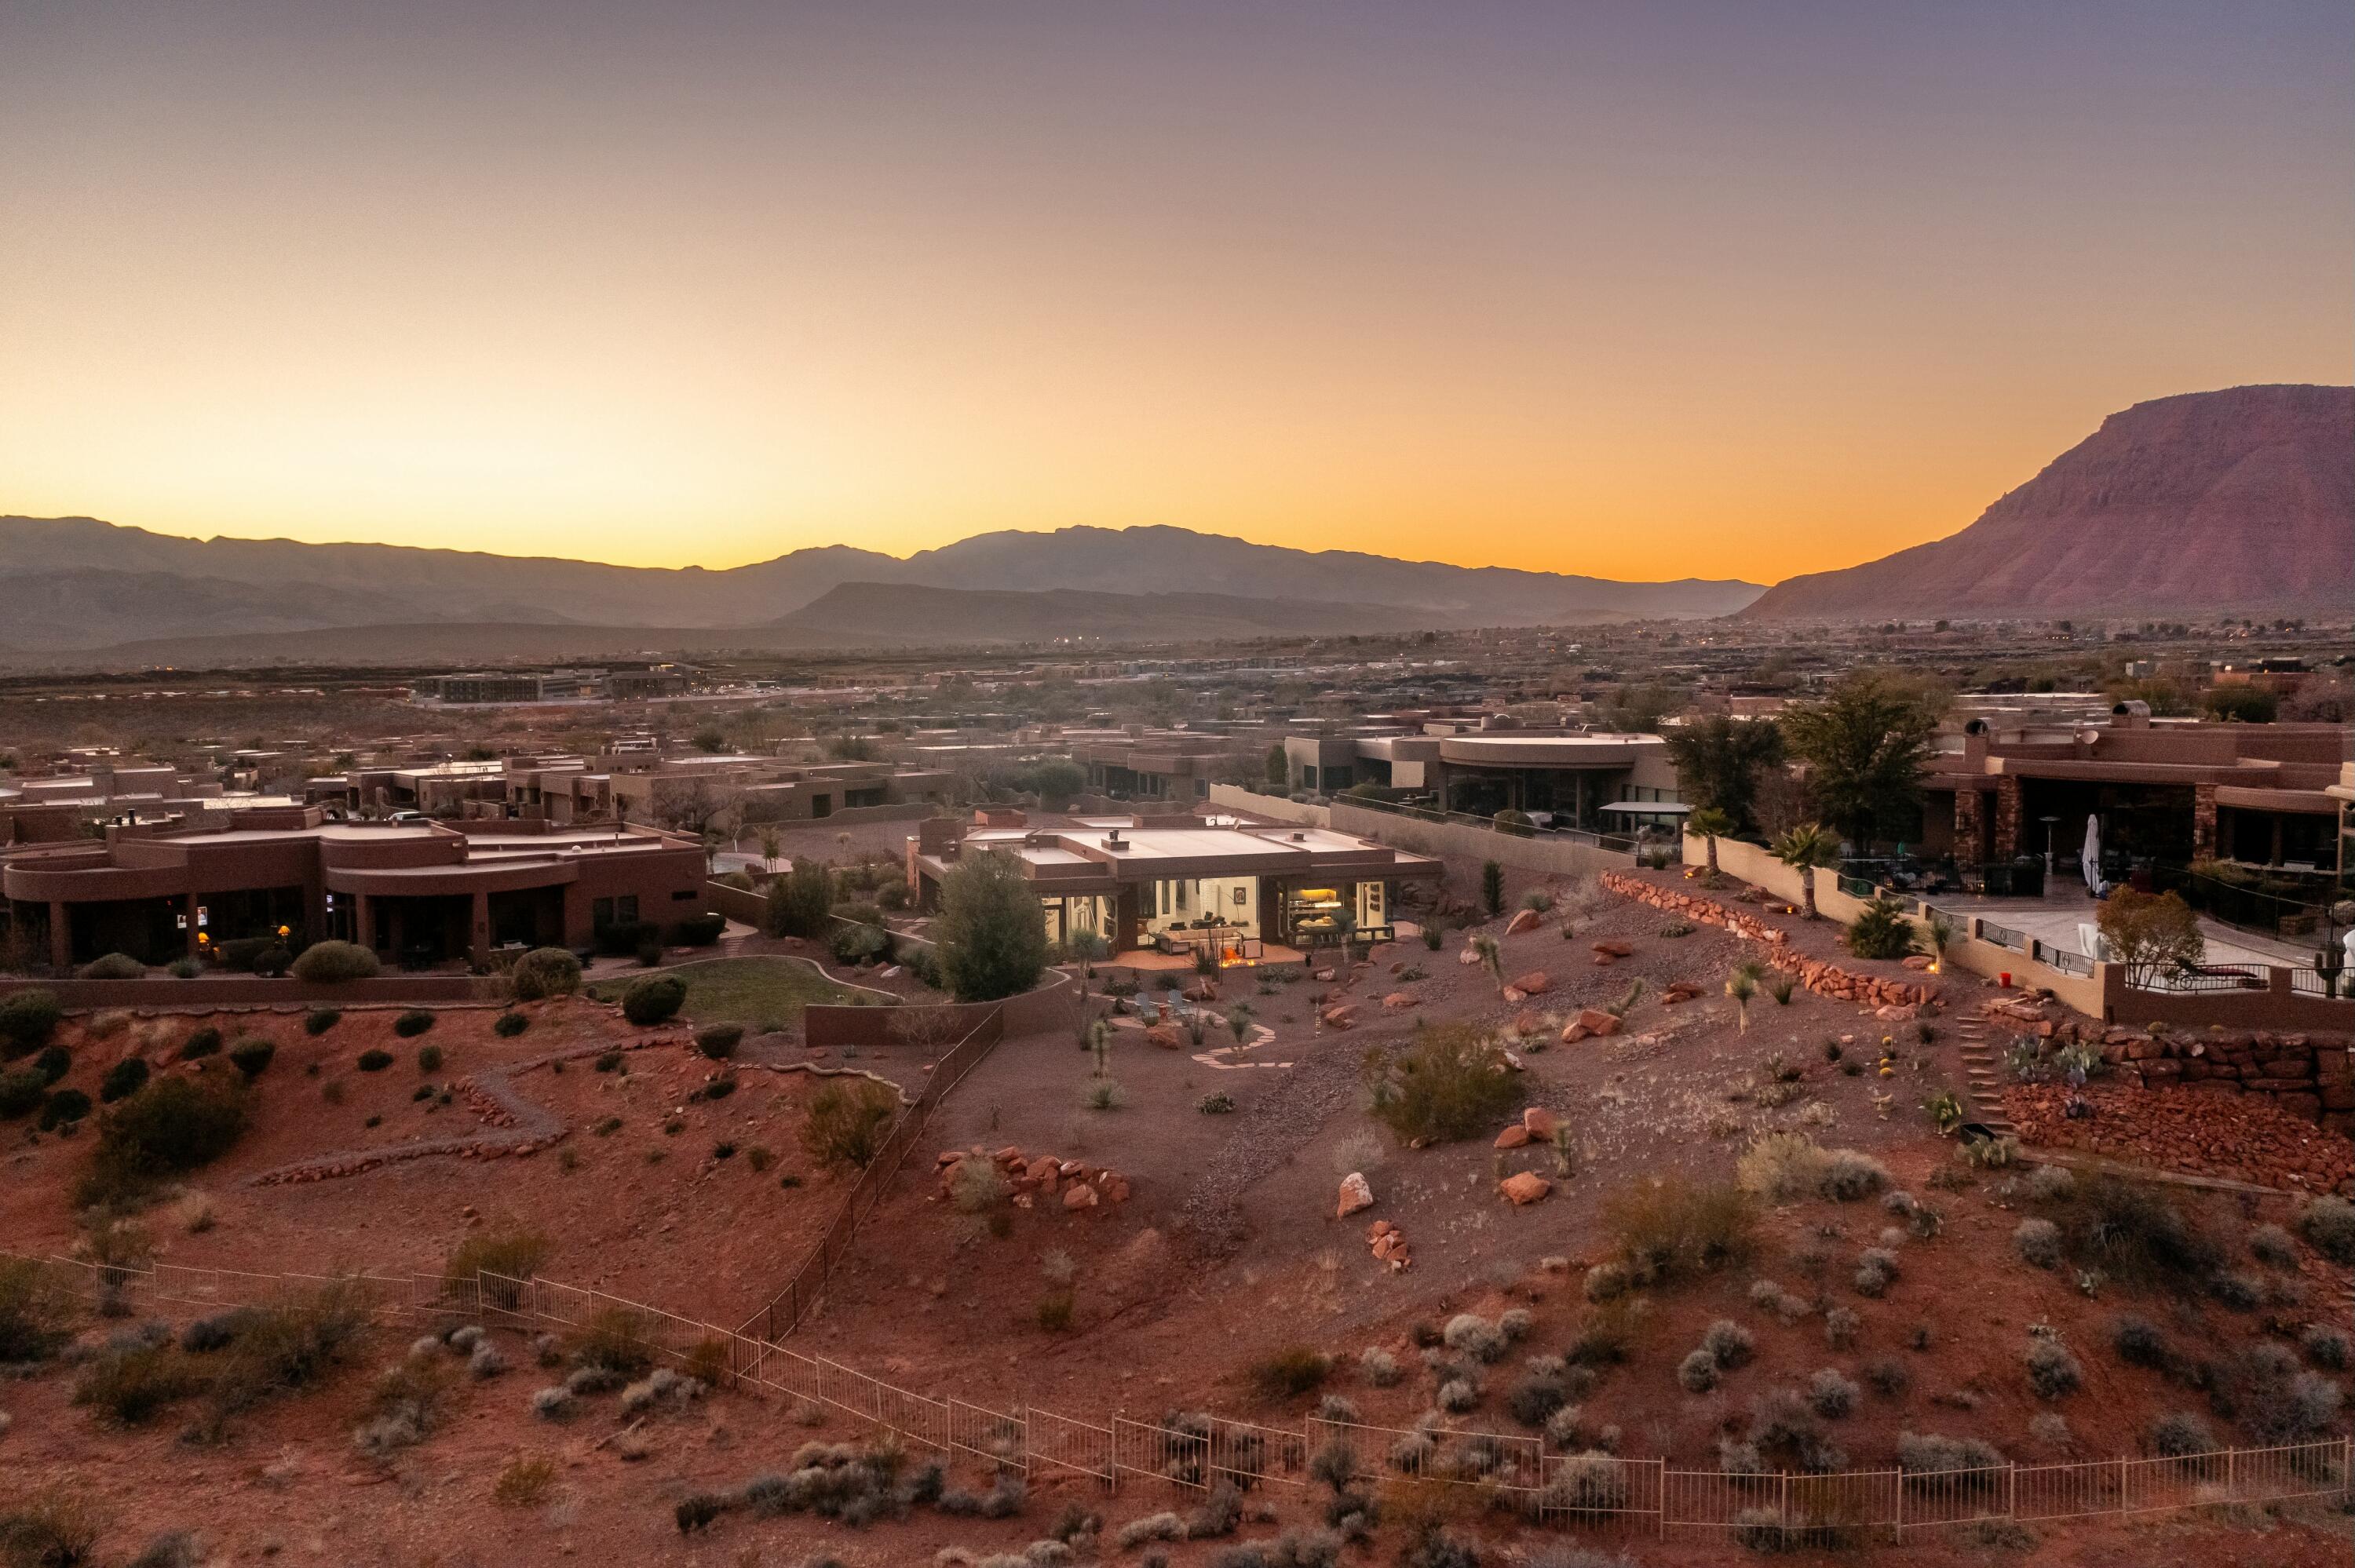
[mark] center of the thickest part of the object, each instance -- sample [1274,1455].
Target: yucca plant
[1741,985]
[1492,957]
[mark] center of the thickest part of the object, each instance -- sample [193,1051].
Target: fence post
[2122,1483]
[2011,1493]
[1899,1523]
[2233,1474]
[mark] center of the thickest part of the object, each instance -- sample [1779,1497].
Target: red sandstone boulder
[1357,1194]
[1596,1021]
[1514,1137]
[1540,1123]
[1537,982]
[1524,1187]
[1522,920]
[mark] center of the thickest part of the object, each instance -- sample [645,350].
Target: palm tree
[1805,848]
[1709,822]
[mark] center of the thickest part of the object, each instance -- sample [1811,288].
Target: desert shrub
[700,928]
[373,1060]
[2328,1226]
[507,1025]
[124,1078]
[1534,1399]
[1840,1327]
[1780,1166]
[654,999]
[1888,1376]
[2038,1243]
[2052,1184]
[2324,1346]
[1469,1334]
[512,1254]
[2049,1427]
[1379,1367]
[718,1041]
[27,1019]
[544,972]
[412,1023]
[173,1125]
[429,1058]
[52,1062]
[200,1044]
[1457,1395]
[130,1384]
[1608,1282]
[330,963]
[61,1107]
[1785,1432]
[526,1482]
[36,1311]
[1603,1335]
[1697,1373]
[273,961]
[621,939]
[2181,1433]
[319,1019]
[405,1401]
[1294,1369]
[2279,1402]
[1849,1175]
[1451,1083]
[1932,1454]
[1670,1229]
[1876,1268]
[2051,1370]
[697,1511]
[21,1091]
[2139,1342]
[1163,1526]
[1831,1396]
[2273,1247]
[290,1345]
[252,1054]
[57,1527]
[2241,1292]
[2130,1231]
[977,1187]
[1880,931]
[609,1344]
[847,1121]
[114,967]
[1729,1345]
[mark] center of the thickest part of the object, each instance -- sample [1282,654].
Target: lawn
[759,993]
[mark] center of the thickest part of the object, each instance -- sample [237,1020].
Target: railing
[2207,980]
[2003,936]
[1196,1451]
[1618,844]
[2316,982]
[802,1290]
[2062,958]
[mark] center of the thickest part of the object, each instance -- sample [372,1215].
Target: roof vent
[1299,838]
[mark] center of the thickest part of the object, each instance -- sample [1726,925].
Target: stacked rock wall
[1823,978]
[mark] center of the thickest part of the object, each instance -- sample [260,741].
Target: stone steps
[1983,1074]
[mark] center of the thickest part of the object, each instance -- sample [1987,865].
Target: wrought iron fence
[2003,936]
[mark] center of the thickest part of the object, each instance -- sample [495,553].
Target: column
[1970,826]
[2007,815]
[2203,821]
[188,920]
[363,921]
[478,943]
[60,935]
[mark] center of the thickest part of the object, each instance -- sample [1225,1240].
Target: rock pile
[1389,1245]
[1591,1021]
[2241,1137]
[2307,1075]
[1040,1176]
[1823,978]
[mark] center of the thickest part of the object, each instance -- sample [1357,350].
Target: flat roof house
[1235,890]
[1584,780]
[417,893]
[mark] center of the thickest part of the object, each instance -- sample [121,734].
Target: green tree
[1279,770]
[1638,709]
[2150,933]
[1865,745]
[1804,849]
[1718,759]
[2241,705]
[800,901]
[992,937]
[1711,824]
[1056,780]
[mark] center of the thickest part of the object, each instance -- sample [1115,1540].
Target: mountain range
[2241,501]
[77,585]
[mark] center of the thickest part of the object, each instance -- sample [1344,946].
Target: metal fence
[2003,936]
[1196,1451]
[2062,958]
[802,1290]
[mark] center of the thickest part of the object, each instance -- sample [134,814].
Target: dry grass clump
[1453,1083]
[1670,1229]
[847,1121]
[36,1312]
[512,1254]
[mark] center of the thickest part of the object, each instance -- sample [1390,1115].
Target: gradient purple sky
[1640,291]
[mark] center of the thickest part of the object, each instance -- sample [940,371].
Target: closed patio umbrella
[2090,857]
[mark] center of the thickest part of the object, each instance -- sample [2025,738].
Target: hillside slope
[2239,501]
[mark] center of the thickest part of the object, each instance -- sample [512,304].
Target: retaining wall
[1053,1004]
[1823,978]
[165,993]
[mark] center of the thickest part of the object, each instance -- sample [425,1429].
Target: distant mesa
[2239,502]
[78,585]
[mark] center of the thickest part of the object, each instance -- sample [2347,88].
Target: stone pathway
[1985,1070]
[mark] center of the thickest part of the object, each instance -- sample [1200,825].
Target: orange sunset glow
[1639,292]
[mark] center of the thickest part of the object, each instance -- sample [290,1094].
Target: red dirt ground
[1228,1251]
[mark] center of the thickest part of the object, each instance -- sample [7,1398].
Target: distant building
[562,685]
[1580,780]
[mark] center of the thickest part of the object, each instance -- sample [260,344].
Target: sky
[1638,290]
